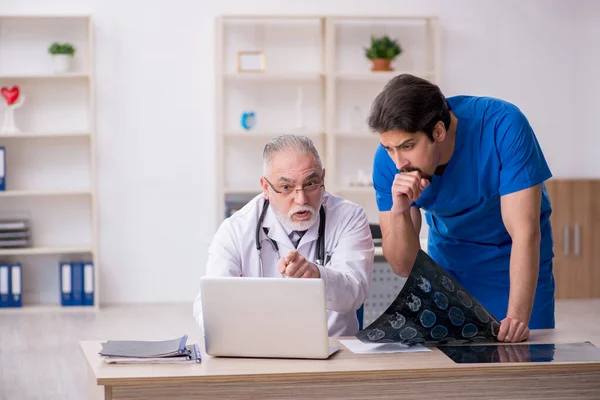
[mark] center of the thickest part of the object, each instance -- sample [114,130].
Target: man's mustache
[411,169]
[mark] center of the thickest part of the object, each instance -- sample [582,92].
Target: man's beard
[288,223]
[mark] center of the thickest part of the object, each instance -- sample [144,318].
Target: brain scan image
[447,283]
[457,316]
[413,303]
[439,332]
[397,320]
[464,298]
[376,334]
[440,300]
[424,284]
[482,314]
[427,318]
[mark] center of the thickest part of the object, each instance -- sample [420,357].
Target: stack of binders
[10,285]
[14,233]
[76,283]
[174,351]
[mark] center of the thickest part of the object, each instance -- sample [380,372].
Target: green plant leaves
[383,47]
[58,48]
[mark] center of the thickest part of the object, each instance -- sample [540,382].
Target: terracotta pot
[381,64]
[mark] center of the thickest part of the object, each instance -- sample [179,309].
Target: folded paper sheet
[432,308]
[358,347]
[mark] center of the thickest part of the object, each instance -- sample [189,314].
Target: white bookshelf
[51,162]
[324,56]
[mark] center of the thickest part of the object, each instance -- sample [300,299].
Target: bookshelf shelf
[47,250]
[46,308]
[44,193]
[377,76]
[49,135]
[275,76]
[37,76]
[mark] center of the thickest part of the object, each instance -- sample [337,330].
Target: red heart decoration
[11,95]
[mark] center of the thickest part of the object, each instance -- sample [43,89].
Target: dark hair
[411,104]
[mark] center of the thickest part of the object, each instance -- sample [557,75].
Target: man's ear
[265,186]
[323,175]
[439,131]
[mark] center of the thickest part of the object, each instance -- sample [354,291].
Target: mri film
[432,308]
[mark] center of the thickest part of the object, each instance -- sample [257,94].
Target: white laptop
[265,317]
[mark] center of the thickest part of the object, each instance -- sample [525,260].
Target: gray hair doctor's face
[293,184]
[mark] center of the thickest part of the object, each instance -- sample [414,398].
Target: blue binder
[16,285]
[88,284]
[66,285]
[4,285]
[2,168]
[77,283]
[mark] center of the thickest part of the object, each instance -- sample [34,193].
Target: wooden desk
[347,375]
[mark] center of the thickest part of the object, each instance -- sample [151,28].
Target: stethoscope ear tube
[259,224]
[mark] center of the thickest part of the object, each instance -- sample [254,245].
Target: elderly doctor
[287,217]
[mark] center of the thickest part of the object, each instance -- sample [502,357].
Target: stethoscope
[320,239]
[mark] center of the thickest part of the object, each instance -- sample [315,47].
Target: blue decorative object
[248,120]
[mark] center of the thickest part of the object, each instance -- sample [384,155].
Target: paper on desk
[358,347]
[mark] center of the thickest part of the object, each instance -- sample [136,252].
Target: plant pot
[61,63]
[381,64]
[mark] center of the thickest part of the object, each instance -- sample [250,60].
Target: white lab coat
[348,241]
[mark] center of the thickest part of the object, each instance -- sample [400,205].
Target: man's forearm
[524,271]
[401,244]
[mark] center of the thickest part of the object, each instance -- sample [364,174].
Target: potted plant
[62,54]
[382,52]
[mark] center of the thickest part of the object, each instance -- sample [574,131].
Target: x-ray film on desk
[432,308]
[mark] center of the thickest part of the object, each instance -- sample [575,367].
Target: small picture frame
[251,61]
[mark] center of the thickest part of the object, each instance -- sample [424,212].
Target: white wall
[154,66]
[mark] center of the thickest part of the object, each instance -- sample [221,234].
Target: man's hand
[294,265]
[407,188]
[513,331]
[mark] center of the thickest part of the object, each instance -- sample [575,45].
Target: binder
[77,283]
[2,168]
[66,297]
[174,351]
[88,284]
[4,285]
[16,288]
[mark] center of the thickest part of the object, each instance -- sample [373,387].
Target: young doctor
[475,166]
[296,229]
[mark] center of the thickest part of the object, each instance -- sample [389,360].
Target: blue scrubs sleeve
[384,172]
[522,162]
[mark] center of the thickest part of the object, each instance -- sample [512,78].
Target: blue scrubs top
[496,153]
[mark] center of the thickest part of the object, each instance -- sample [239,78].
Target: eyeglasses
[287,188]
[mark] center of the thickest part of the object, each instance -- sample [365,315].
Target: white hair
[292,143]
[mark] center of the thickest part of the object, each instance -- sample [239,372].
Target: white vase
[61,63]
